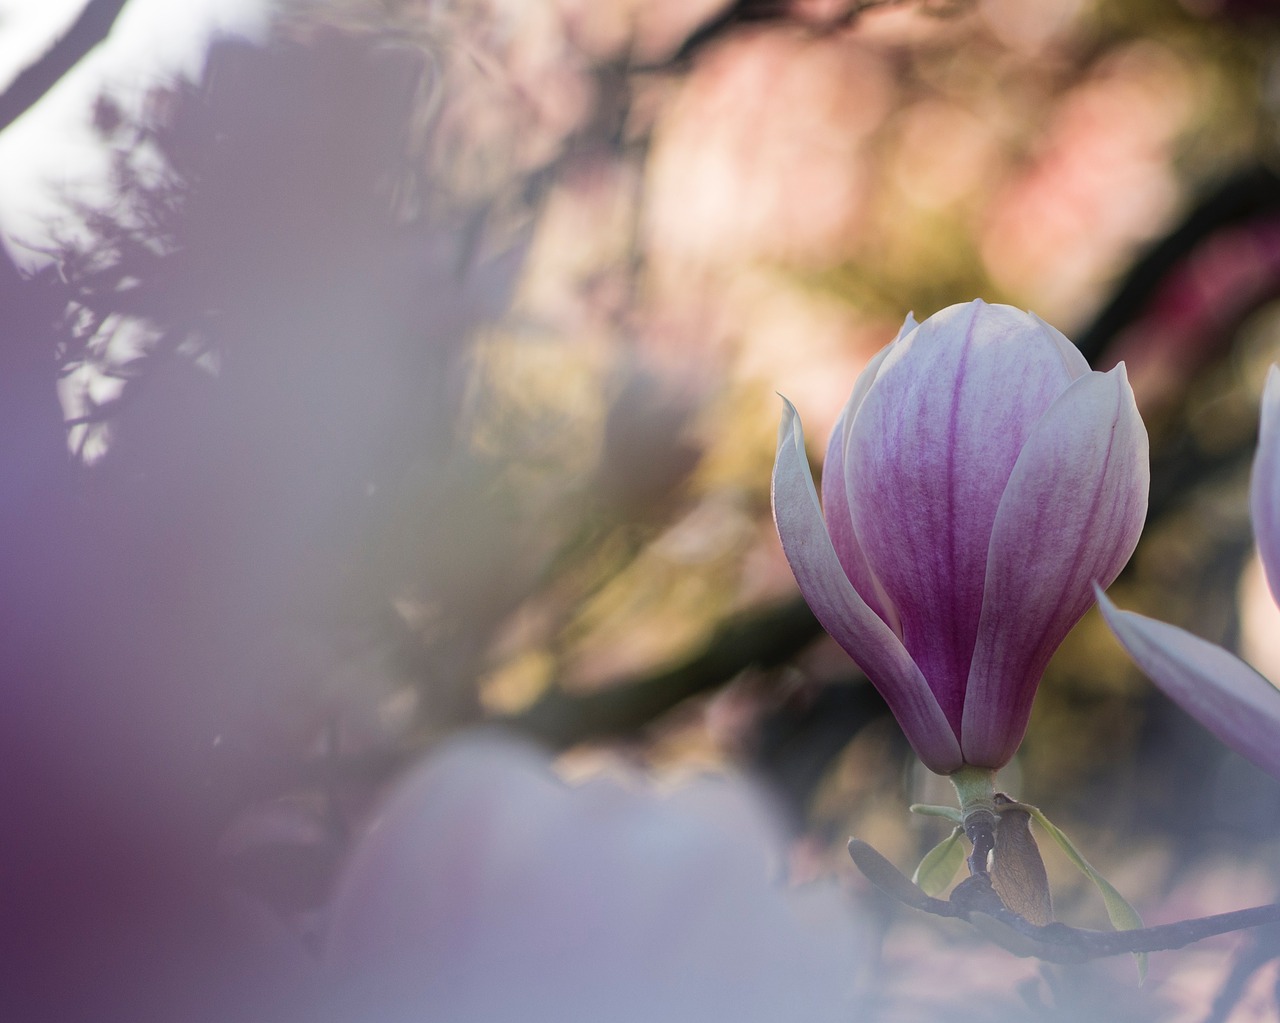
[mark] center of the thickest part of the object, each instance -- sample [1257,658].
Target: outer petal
[1077,365]
[1219,690]
[1072,514]
[835,500]
[1264,494]
[930,453]
[844,614]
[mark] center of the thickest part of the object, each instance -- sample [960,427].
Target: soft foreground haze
[392,621]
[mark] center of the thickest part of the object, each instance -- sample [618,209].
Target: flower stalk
[976,790]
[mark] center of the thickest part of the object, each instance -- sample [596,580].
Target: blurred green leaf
[1122,915]
[940,864]
[948,812]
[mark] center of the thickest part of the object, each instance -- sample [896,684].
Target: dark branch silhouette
[1248,194]
[976,902]
[765,637]
[86,32]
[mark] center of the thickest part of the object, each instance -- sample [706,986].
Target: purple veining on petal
[835,501]
[1264,491]
[844,614]
[928,458]
[1216,688]
[1072,514]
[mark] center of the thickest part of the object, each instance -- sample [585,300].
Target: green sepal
[948,812]
[940,864]
[1122,915]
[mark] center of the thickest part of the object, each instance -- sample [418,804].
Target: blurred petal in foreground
[1215,687]
[487,889]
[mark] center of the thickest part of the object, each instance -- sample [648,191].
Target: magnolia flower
[977,482]
[487,890]
[1215,687]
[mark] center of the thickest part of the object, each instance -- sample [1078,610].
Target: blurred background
[377,369]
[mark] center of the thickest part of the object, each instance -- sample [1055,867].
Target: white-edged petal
[1264,492]
[843,613]
[1215,687]
[928,459]
[835,497]
[1072,514]
[1077,365]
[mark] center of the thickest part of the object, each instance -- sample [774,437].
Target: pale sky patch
[52,149]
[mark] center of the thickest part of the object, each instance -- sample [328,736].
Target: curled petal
[843,613]
[1216,688]
[1264,493]
[929,455]
[1072,514]
[835,497]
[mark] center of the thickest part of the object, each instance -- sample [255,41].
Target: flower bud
[977,483]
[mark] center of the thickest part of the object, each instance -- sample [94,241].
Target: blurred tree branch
[734,16]
[1249,193]
[86,32]
[976,902]
[1265,949]
[763,637]
[32,417]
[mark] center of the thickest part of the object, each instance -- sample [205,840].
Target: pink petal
[1072,514]
[1264,493]
[1219,690]
[929,455]
[843,613]
[835,499]
[1075,364]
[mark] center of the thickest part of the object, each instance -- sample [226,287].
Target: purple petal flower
[1215,687]
[978,480]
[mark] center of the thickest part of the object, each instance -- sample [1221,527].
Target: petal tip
[908,325]
[788,425]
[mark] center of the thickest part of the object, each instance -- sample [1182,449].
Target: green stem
[976,788]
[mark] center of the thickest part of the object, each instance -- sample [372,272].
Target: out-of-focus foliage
[421,371]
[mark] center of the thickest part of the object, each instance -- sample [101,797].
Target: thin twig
[975,901]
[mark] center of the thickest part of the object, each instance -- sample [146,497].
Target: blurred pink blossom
[761,155]
[487,889]
[1099,184]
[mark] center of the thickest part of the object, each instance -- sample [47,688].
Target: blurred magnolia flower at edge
[488,889]
[1222,692]
[979,480]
